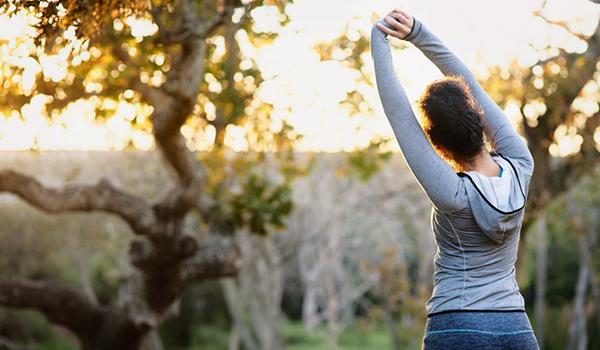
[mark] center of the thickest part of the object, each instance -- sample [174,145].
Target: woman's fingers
[393,22]
[401,31]
[399,20]
[387,30]
[401,13]
[404,17]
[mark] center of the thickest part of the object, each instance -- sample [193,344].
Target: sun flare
[304,90]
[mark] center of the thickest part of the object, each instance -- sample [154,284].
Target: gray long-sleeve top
[476,220]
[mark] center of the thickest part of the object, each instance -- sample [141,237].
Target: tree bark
[578,337]
[97,327]
[595,286]
[541,275]
[392,325]
[101,197]
[236,310]
[332,302]
[256,295]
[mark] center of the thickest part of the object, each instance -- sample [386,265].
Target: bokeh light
[305,91]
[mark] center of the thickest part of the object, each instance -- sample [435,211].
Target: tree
[557,102]
[188,74]
[357,247]
[570,225]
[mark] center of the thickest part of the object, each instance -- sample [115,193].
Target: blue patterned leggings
[480,331]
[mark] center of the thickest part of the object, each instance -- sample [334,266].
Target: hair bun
[450,117]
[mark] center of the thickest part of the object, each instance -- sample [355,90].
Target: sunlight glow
[305,92]
[597,138]
[504,32]
[141,26]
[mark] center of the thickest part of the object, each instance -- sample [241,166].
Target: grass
[56,342]
[296,337]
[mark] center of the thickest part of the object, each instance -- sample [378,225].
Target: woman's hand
[401,21]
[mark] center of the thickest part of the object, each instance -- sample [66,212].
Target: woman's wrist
[414,31]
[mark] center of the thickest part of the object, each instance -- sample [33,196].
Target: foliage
[210,338]
[203,311]
[400,296]
[88,17]
[568,216]
[555,104]
[50,253]
[564,228]
[364,163]
[550,105]
[23,327]
[106,70]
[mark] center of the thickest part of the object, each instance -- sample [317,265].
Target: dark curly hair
[452,119]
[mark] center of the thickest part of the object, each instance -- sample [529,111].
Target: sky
[307,93]
[480,32]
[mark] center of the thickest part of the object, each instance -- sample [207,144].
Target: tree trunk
[541,275]
[265,292]
[578,337]
[593,280]
[310,275]
[236,311]
[151,341]
[332,302]
[256,295]
[392,324]
[310,314]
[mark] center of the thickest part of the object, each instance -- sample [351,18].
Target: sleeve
[437,178]
[498,130]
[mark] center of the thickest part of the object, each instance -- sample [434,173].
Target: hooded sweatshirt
[476,220]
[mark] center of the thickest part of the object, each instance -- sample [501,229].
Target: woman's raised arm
[436,177]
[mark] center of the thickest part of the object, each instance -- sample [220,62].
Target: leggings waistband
[479,321]
[476,330]
[475,311]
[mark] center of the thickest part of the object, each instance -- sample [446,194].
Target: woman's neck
[483,163]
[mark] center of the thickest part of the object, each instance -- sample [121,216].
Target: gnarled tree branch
[220,258]
[183,85]
[208,27]
[181,200]
[101,197]
[188,26]
[67,307]
[61,305]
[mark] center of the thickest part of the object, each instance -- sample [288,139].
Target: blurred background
[219,174]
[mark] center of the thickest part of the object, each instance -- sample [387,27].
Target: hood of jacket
[498,203]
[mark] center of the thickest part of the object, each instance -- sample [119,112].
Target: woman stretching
[477,212]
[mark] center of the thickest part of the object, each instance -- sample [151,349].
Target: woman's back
[474,265]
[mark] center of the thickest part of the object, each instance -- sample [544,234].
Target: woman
[478,212]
